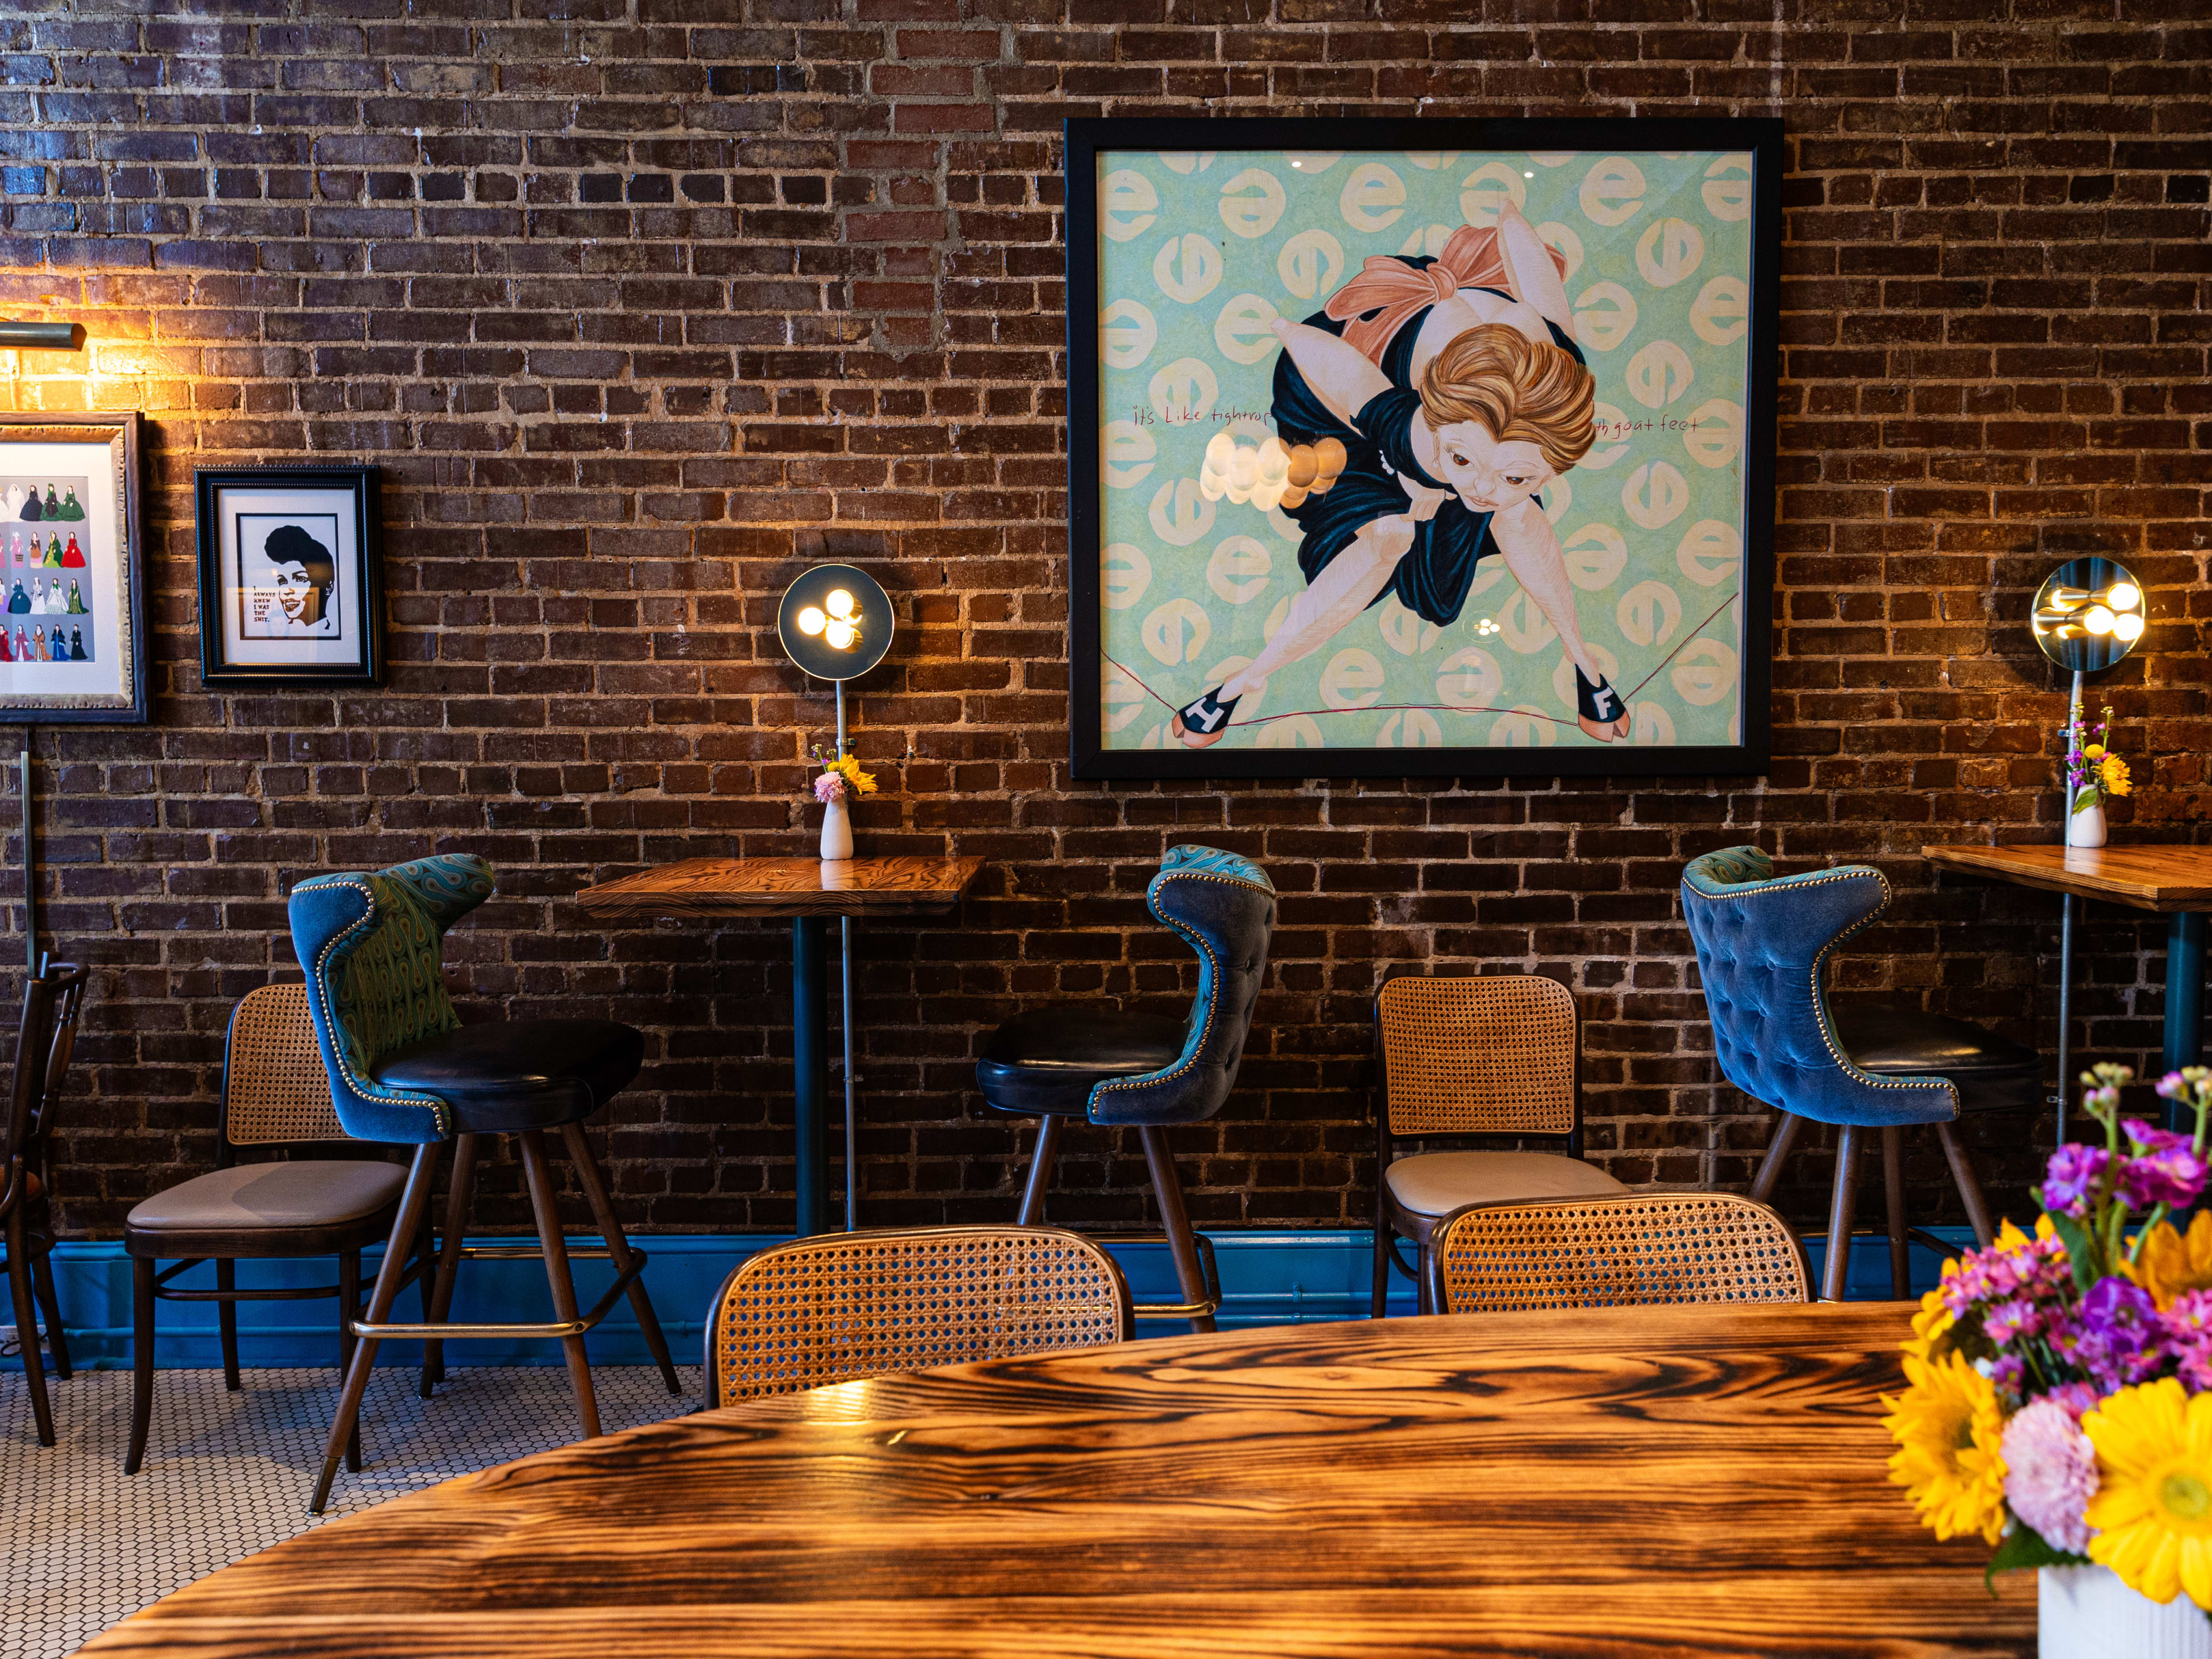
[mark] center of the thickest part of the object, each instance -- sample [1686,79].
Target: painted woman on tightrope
[1457,390]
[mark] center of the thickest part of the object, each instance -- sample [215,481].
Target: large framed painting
[1440,447]
[291,576]
[73,625]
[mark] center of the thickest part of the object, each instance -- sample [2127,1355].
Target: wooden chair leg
[42,1280]
[539,1177]
[1969,1185]
[1892,1183]
[142,1360]
[1777,1153]
[1381,1291]
[1843,1199]
[1048,1144]
[438,1300]
[603,1211]
[349,1310]
[1188,1272]
[412,1202]
[226,1313]
[26,1325]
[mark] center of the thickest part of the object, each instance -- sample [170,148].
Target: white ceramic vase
[2086,827]
[836,832]
[2087,1613]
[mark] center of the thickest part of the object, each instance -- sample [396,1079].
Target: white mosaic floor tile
[81,1544]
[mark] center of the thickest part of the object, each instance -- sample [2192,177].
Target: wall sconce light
[2089,614]
[42,336]
[835,622]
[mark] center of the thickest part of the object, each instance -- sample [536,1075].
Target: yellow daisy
[2153,1510]
[1931,1324]
[1947,1426]
[2170,1263]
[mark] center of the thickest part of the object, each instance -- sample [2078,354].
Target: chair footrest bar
[1177,1310]
[556,1329]
[531,1253]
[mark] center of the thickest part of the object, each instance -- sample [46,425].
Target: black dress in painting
[1432,579]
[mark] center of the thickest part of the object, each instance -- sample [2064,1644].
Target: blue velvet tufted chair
[1763,946]
[1147,1071]
[404,1068]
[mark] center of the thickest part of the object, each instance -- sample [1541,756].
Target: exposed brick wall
[640,311]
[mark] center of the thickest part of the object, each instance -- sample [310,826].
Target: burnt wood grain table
[2173,881]
[1626,1484]
[807,890]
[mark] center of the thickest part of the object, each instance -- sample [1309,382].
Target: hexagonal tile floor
[227,1475]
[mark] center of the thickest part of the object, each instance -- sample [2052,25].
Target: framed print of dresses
[1421,447]
[291,577]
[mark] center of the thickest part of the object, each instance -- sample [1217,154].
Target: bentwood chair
[403,1068]
[275,1096]
[1064,1060]
[1494,1056]
[839,1306]
[1631,1251]
[1763,947]
[44,1039]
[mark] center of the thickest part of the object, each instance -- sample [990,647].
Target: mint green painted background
[1173,615]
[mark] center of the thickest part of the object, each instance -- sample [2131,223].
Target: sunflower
[1947,1426]
[1931,1325]
[860,783]
[2170,1263]
[2153,1509]
[2112,772]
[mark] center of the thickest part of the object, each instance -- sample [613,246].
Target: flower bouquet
[839,780]
[2059,1385]
[2092,772]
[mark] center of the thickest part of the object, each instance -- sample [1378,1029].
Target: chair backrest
[1225,907]
[839,1306]
[275,1088]
[1614,1252]
[1763,946]
[372,947]
[1493,1055]
[45,1039]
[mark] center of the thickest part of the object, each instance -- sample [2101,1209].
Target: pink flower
[830,787]
[2051,1474]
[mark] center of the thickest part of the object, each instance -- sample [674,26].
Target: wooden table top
[2166,878]
[717,888]
[1603,1485]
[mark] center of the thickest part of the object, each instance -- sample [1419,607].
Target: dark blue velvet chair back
[1225,907]
[1763,946]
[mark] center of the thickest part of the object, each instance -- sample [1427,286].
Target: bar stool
[43,1040]
[1763,946]
[403,1068]
[1071,1060]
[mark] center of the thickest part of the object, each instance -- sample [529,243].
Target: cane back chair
[44,1038]
[1763,947]
[1629,1251]
[402,1067]
[275,1097]
[841,1306]
[1461,1058]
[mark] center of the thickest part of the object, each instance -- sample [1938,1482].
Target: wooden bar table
[2174,881]
[1615,1484]
[807,890]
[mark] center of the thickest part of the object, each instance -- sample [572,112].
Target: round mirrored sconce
[835,622]
[2089,614]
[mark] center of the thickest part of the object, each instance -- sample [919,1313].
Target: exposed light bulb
[2128,629]
[841,635]
[840,603]
[2098,621]
[2124,596]
[811,621]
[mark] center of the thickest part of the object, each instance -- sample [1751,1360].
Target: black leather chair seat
[1046,1061]
[1993,1073]
[519,1074]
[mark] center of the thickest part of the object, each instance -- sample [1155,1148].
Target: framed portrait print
[74,644]
[291,576]
[1421,447]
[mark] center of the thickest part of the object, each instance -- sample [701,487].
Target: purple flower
[2115,1337]
[2072,1176]
[2166,1168]
[2188,1327]
[2005,1321]
[2051,1474]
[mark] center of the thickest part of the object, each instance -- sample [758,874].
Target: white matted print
[68,621]
[288,576]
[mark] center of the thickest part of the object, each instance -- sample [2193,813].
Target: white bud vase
[836,832]
[2085,827]
[2087,1613]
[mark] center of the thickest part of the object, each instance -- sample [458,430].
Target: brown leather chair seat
[264,1197]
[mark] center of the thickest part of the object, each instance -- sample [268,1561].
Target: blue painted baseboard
[1276,1277]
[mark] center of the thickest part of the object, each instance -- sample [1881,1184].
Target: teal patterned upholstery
[372,947]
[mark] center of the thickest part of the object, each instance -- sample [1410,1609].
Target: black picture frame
[354,510]
[1089,140]
[111,459]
